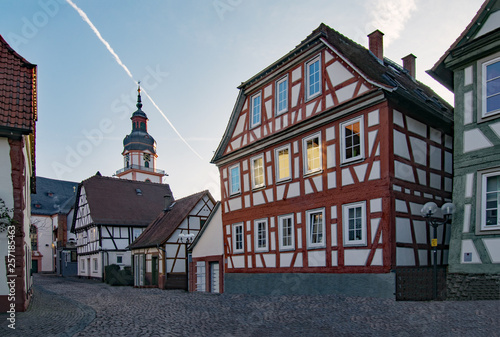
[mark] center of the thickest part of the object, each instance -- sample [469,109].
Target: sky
[190,56]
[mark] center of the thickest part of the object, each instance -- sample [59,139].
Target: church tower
[139,150]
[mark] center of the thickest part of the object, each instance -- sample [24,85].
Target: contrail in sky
[94,29]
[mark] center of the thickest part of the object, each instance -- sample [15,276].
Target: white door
[214,277]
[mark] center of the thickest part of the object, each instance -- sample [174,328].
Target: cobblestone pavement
[74,307]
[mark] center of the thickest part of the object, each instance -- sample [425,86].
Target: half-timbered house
[18,116]
[206,256]
[327,159]
[471,69]
[110,214]
[159,254]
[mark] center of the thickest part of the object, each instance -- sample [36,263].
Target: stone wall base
[473,287]
[364,285]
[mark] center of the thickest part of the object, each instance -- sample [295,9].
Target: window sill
[287,249]
[308,99]
[258,188]
[281,113]
[354,161]
[323,246]
[234,195]
[312,173]
[355,244]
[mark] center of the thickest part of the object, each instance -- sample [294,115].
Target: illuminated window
[352,140]
[283,163]
[312,154]
[258,172]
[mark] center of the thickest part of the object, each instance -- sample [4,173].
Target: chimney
[167,202]
[376,44]
[409,64]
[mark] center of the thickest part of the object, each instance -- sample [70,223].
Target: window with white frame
[282,95]
[234,180]
[95,265]
[261,235]
[352,140]
[491,87]
[490,203]
[200,276]
[255,116]
[313,86]
[354,223]
[312,153]
[82,265]
[258,178]
[286,232]
[238,244]
[283,163]
[315,228]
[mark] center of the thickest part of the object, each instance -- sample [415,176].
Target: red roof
[160,230]
[17,91]
[114,201]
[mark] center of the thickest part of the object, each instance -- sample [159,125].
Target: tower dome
[139,149]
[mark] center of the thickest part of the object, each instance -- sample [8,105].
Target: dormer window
[38,205]
[138,191]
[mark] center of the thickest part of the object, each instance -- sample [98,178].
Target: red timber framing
[365,197]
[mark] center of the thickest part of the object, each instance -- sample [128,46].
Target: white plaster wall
[210,243]
[44,225]
[6,192]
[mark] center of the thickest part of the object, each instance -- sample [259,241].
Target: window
[354,222]
[234,183]
[82,265]
[119,259]
[258,172]
[491,87]
[286,232]
[312,154]
[256,110]
[136,232]
[238,246]
[315,228]
[282,95]
[283,163]
[95,264]
[200,276]
[127,160]
[490,203]
[313,86]
[261,238]
[73,256]
[352,140]
[34,238]
[147,159]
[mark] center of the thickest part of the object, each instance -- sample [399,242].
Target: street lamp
[428,211]
[186,239]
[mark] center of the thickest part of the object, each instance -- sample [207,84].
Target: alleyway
[73,307]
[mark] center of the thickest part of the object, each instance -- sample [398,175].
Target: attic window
[38,205]
[50,194]
[138,191]
[172,206]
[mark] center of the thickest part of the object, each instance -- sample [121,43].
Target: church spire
[139,102]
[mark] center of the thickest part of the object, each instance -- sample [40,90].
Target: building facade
[139,150]
[327,159]
[160,253]
[18,115]
[50,207]
[206,256]
[110,214]
[471,69]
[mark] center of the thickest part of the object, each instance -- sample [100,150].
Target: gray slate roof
[53,196]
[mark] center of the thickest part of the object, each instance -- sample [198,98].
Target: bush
[117,277]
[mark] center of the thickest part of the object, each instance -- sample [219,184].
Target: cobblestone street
[74,307]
